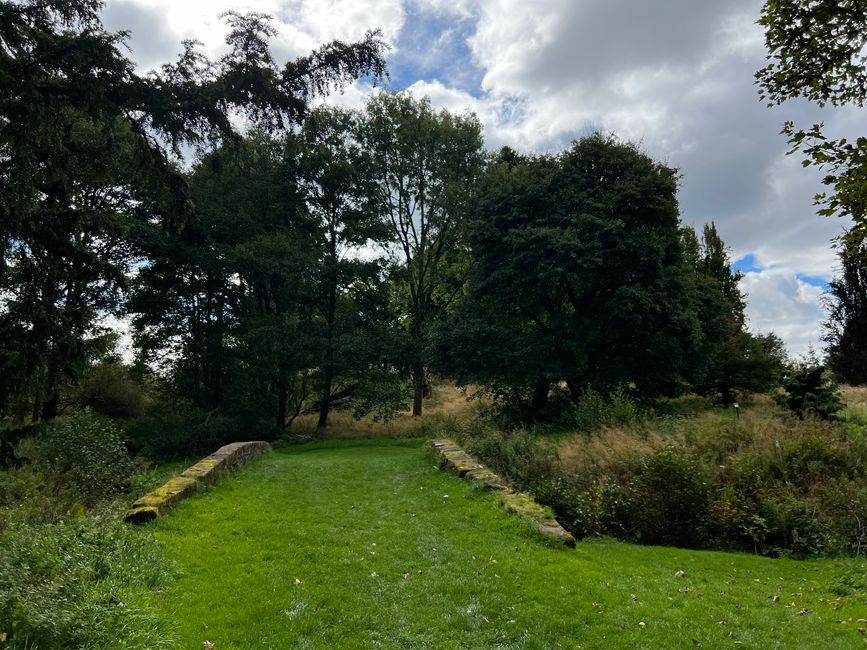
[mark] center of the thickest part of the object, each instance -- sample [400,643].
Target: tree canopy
[576,276]
[86,148]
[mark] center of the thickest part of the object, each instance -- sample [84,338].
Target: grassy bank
[347,545]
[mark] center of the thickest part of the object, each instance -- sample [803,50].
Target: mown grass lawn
[367,545]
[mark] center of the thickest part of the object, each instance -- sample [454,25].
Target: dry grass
[855,398]
[447,401]
[716,433]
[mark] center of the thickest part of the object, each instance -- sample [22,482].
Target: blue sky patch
[433,46]
[822,283]
[746,264]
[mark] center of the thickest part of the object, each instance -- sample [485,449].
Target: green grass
[391,552]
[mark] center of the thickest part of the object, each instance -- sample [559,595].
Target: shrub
[586,509]
[807,459]
[811,391]
[737,521]
[111,390]
[519,456]
[668,500]
[68,584]
[170,432]
[30,496]
[85,450]
[592,410]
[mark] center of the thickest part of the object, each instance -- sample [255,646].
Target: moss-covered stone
[225,460]
[520,503]
[141,515]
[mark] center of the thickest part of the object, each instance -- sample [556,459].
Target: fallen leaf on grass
[207,645]
[406,576]
[679,574]
[804,612]
[296,581]
[775,599]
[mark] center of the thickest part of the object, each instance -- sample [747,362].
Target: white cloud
[301,24]
[778,301]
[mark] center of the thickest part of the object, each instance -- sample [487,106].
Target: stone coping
[459,461]
[224,461]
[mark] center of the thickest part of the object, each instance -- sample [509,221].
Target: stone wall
[225,460]
[520,503]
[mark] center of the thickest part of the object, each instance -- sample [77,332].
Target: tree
[731,358]
[425,165]
[351,296]
[576,278]
[810,390]
[276,305]
[85,148]
[816,51]
[846,327]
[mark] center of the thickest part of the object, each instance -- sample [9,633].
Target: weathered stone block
[519,503]
[223,461]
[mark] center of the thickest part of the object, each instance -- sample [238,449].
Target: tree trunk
[418,392]
[325,401]
[540,395]
[282,398]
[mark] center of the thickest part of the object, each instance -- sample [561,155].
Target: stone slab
[456,459]
[223,461]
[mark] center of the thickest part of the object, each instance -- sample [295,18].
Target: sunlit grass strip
[223,461]
[519,503]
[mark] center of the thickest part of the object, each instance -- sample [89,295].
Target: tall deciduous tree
[425,164]
[577,277]
[85,143]
[351,301]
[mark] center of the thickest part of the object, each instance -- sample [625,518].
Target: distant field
[366,545]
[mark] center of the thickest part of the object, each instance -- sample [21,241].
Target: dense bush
[84,449]
[667,500]
[785,487]
[172,431]
[593,410]
[811,391]
[111,390]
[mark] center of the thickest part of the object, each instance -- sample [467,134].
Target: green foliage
[84,449]
[667,500]
[731,360]
[592,410]
[86,179]
[67,584]
[518,456]
[575,280]
[816,51]
[425,166]
[810,390]
[110,389]
[175,430]
[846,327]
[799,491]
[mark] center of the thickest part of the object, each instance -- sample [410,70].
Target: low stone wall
[223,461]
[455,458]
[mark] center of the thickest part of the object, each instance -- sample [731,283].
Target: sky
[675,76]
